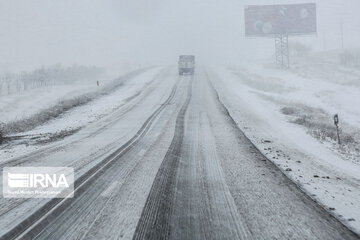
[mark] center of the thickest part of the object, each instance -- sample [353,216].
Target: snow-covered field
[25,110]
[288,114]
[25,93]
[78,117]
[21,105]
[81,116]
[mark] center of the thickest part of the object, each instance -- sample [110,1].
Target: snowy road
[180,170]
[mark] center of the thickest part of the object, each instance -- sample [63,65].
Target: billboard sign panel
[292,19]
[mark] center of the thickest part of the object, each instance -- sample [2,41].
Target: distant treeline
[47,76]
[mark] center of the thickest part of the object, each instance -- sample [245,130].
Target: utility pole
[342,34]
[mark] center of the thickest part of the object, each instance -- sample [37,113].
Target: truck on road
[186,64]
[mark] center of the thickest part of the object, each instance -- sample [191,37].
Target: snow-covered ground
[279,110]
[21,105]
[107,122]
[26,104]
[88,113]
[77,117]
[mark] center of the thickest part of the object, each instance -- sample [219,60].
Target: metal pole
[282,50]
[278,50]
[342,35]
[336,122]
[288,51]
[338,135]
[282,54]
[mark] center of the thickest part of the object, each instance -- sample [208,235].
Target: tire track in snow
[32,225]
[154,222]
[204,207]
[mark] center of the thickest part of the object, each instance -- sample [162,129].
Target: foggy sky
[112,32]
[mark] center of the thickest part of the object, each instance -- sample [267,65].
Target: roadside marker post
[336,122]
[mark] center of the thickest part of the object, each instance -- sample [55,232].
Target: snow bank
[78,117]
[27,110]
[256,97]
[87,113]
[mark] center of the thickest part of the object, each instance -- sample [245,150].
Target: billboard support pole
[282,55]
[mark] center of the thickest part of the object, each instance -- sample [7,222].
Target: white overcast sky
[110,32]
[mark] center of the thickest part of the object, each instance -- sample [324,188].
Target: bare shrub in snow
[288,110]
[350,58]
[322,131]
[299,49]
[348,139]
[301,120]
[318,123]
[46,115]
[1,132]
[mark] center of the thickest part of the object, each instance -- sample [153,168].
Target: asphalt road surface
[185,171]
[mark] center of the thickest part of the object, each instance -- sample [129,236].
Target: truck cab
[186,64]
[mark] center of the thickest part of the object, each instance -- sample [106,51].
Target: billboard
[292,19]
